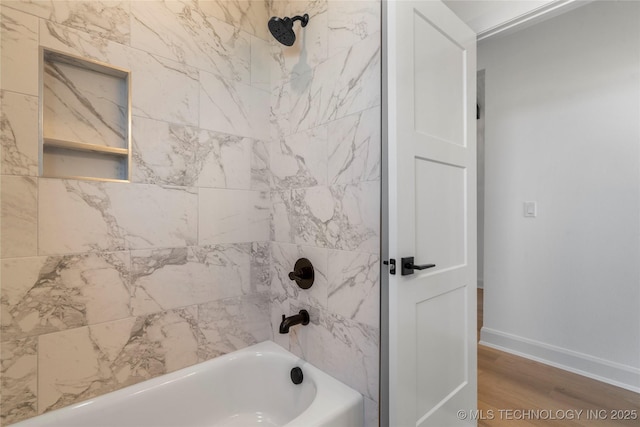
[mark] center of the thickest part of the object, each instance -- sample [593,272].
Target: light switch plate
[530,209]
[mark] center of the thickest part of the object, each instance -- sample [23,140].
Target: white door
[431,78]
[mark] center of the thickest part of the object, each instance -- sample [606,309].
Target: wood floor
[507,383]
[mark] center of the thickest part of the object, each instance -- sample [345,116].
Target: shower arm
[303,19]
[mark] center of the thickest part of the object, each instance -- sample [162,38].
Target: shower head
[282,29]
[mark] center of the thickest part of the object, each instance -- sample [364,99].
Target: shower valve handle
[303,273]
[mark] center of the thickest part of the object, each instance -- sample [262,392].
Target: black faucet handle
[303,273]
[296,275]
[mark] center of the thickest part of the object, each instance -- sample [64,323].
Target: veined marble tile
[351,21]
[154,216]
[39,8]
[71,41]
[278,72]
[344,349]
[84,106]
[184,32]
[346,83]
[223,160]
[41,295]
[284,257]
[313,210]
[232,324]
[282,220]
[19,134]
[354,148]
[19,52]
[164,153]
[157,277]
[76,216]
[84,216]
[19,380]
[179,103]
[356,223]
[170,278]
[250,16]
[19,218]
[305,93]
[72,368]
[233,107]
[168,153]
[233,216]
[358,85]
[279,120]
[310,47]
[339,217]
[148,73]
[81,363]
[371,413]
[260,280]
[300,160]
[261,63]
[354,286]
[109,19]
[260,166]
[102,19]
[279,8]
[312,7]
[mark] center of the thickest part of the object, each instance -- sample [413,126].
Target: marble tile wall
[103,285]
[246,156]
[325,164]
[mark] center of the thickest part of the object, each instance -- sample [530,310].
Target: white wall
[562,128]
[485,14]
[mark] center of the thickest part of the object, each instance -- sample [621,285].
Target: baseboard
[616,374]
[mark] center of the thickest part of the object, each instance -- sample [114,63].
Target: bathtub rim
[326,406]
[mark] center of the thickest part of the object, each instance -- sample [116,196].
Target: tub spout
[301,318]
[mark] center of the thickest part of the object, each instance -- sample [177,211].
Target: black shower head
[282,29]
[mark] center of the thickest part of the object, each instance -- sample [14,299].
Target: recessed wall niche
[85,116]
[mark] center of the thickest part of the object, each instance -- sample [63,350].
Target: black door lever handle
[408,266]
[420,267]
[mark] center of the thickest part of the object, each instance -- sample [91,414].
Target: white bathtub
[249,387]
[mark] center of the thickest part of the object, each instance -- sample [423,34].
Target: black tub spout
[302,318]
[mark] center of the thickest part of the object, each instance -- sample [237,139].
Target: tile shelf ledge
[85,178]
[83,146]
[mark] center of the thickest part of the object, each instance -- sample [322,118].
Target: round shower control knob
[303,273]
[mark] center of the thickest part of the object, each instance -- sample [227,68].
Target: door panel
[441,349]
[440,213]
[439,98]
[432,214]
